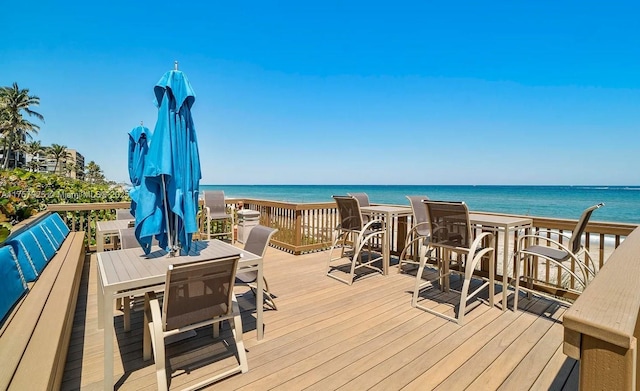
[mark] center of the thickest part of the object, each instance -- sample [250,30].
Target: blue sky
[346,92]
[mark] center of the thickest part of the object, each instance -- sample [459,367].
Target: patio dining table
[388,213]
[508,226]
[109,228]
[130,272]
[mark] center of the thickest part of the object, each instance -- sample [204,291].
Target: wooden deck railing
[309,227]
[601,329]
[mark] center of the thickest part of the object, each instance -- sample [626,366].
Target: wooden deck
[326,335]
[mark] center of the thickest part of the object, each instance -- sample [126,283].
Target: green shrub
[24,193]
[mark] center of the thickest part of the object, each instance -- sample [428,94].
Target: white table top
[492,220]
[128,269]
[109,226]
[394,209]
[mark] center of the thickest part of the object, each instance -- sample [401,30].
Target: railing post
[298,232]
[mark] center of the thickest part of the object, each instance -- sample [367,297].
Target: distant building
[72,166]
[77,164]
[17,158]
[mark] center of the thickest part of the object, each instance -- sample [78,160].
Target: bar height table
[505,225]
[388,213]
[108,228]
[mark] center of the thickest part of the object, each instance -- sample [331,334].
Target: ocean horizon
[622,203]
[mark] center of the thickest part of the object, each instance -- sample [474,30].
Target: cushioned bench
[40,268]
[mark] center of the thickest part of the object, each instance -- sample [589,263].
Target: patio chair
[451,234]
[215,209]
[363,199]
[128,239]
[124,214]
[361,237]
[197,294]
[257,244]
[419,233]
[553,252]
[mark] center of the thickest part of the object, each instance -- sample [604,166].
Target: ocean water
[622,203]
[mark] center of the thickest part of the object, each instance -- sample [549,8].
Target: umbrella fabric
[168,199]
[138,148]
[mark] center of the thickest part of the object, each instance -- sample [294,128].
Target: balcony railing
[308,227]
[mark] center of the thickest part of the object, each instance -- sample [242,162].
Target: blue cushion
[13,285]
[46,243]
[31,257]
[55,233]
[59,223]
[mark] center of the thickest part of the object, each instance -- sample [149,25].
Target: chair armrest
[371,223]
[551,232]
[475,245]
[412,231]
[543,238]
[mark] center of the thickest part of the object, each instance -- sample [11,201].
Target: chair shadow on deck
[183,356]
[439,296]
[361,273]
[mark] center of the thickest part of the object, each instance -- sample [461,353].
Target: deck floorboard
[326,335]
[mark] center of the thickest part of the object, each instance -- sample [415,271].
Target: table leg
[386,246]
[505,269]
[99,241]
[101,308]
[260,302]
[107,315]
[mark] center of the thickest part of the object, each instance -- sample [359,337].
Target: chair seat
[549,252]
[247,277]
[220,216]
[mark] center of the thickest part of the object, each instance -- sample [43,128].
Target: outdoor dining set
[441,240]
[446,239]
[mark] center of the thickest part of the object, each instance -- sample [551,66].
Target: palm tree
[94,173]
[59,153]
[34,149]
[13,126]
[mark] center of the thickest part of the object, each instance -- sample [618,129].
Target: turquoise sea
[622,203]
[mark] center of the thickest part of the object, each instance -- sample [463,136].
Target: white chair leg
[126,310]
[517,285]
[236,327]
[416,290]
[146,334]
[216,329]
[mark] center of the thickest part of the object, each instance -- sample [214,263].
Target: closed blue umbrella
[138,148]
[168,198]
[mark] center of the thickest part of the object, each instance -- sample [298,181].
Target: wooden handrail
[601,328]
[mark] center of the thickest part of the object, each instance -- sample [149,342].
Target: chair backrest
[349,212]
[258,239]
[576,234]
[420,215]
[128,238]
[362,198]
[198,291]
[449,222]
[214,200]
[124,214]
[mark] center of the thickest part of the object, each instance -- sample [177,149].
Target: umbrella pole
[170,238]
